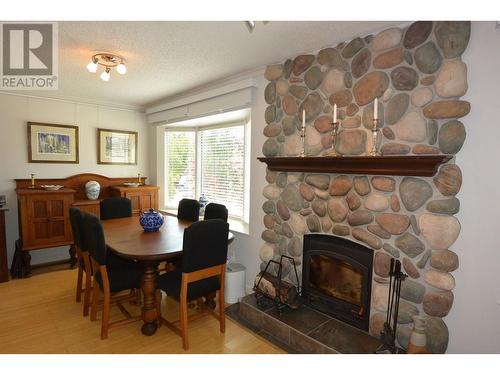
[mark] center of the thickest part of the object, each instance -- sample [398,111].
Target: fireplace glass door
[336,278]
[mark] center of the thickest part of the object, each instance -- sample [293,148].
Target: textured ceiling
[167,58]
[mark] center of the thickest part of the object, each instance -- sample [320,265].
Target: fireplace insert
[337,278]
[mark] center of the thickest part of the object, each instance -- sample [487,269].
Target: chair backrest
[115,208]
[95,238]
[188,209]
[76,220]
[215,211]
[204,245]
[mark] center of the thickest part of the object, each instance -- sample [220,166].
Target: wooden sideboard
[4,271]
[142,197]
[44,215]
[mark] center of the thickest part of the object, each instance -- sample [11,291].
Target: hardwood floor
[40,315]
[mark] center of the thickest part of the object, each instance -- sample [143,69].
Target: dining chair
[188,209]
[202,272]
[215,211]
[115,208]
[84,266]
[110,278]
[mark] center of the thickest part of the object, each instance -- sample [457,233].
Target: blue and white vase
[203,201]
[151,220]
[92,189]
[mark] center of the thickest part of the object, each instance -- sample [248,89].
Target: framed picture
[116,146]
[52,143]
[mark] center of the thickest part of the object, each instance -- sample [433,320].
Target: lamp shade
[121,68]
[105,75]
[92,67]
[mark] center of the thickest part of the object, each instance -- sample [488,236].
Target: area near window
[208,160]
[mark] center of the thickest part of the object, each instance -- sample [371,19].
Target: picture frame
[52,143]
[116,147]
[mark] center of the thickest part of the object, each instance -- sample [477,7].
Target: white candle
[334,113]
[375,109]
[303,118]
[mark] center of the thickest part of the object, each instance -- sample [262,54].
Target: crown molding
[79,100]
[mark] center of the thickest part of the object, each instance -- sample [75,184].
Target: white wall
[16,110]
[474,320]
[246,247]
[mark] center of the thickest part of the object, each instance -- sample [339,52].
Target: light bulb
[105,75]
[92,67]
[121,68]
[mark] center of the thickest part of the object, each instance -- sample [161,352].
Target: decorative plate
[51,187]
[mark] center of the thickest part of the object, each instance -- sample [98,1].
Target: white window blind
[180,149]
[223,167]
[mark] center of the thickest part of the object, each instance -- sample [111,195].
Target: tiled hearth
[303,330]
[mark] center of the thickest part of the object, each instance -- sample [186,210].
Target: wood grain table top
[127,238]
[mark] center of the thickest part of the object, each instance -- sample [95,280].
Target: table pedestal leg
[149,311]
[210,300]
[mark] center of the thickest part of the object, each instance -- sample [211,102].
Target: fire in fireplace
[337,278]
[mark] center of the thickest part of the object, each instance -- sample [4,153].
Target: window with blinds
[217,156]
[223,167]
[180,149]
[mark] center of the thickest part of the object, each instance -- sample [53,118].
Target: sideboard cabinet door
[45,220]
[142,198]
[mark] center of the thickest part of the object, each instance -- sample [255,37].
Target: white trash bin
[235,282]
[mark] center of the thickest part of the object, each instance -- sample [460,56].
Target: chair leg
[105,316]
[86,296]
[184,315]
[95,299]
[222,315]
[79,284]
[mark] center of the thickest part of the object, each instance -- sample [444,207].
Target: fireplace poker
[399,278]
[389,306]
[388,334]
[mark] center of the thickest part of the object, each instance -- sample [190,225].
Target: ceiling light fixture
[108,61]
[250,25]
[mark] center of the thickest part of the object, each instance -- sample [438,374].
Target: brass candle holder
[374,151]
[138,178]
[303,138]
[32,186]
[334,132]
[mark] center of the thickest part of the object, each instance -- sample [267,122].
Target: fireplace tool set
[388,334]
[269,286]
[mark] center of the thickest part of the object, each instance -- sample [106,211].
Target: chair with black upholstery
[215,211]
[84,266]
[188,209]
[202,272]
[115,208]
[110,278]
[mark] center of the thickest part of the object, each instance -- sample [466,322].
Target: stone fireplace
[418,76]
[337,278]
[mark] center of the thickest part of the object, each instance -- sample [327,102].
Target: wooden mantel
[414,165]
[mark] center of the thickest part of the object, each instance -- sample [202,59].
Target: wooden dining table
[126,238]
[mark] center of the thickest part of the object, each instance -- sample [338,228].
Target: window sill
[235,225]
